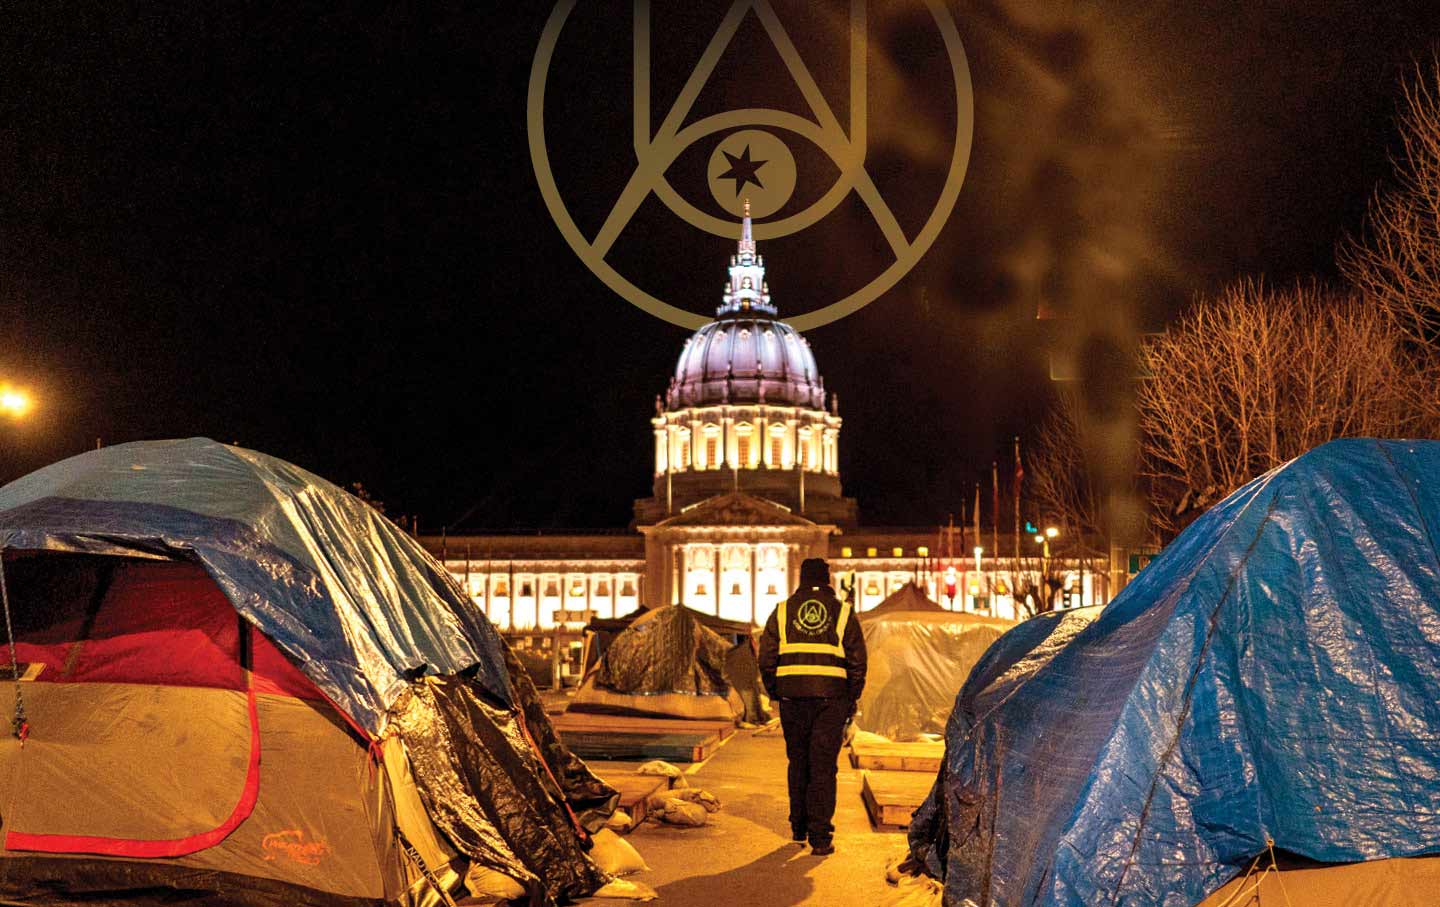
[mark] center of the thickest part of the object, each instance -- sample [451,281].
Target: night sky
[318,233]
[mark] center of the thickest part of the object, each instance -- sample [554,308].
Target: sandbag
[909,887]
[491,887]
[675,811]
[627,889]
[663,769]
[711,803]
[619,821]
[616,855]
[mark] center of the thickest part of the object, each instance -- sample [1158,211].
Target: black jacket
[821,652]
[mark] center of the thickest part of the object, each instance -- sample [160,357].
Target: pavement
[744,856]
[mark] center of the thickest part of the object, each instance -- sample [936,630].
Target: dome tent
[919,656]
[672,662]
[240,679]
[1274,676]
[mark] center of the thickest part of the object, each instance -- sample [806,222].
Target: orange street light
[14,402]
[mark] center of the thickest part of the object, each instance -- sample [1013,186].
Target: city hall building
[746,485]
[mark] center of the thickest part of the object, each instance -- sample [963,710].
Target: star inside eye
[742,170]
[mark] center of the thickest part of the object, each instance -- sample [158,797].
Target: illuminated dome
[746,355]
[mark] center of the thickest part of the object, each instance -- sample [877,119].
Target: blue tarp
[1273,676]
[357,604]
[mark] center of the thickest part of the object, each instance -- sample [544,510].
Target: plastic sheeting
[1273,675]
[668,650]
[357,604]
[918,661]
[487,790]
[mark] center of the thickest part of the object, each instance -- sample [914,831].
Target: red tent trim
[174,847]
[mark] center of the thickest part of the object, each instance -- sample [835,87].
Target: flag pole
[1019,475]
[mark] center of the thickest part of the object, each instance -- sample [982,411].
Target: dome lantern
[746,355]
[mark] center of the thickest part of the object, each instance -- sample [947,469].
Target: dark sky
[318,233]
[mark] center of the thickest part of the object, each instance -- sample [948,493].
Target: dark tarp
[670,652]
[356,604]
[591,800]
[487,790]
[1273,675]
[918,662]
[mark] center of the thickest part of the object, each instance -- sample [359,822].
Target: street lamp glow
[14,401]
[1051,532]
[1039,539]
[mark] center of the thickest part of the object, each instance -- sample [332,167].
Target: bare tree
[1396,263]
[1068,498]
[1255,377]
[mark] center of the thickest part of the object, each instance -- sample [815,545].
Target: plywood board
[631,746]
[898,757]
[891,797]
[589,722]
[634,791]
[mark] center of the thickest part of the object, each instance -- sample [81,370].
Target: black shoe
[797,837]
[822,850]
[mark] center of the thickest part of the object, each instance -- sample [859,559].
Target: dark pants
[814,729]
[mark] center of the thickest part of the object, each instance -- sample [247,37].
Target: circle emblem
[755,166]
[656,152]
[812,616]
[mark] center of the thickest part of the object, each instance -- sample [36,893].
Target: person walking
[812,661]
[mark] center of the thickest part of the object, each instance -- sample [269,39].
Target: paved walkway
[744,857]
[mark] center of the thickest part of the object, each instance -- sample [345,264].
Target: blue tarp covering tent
[1273,676]
[357,604]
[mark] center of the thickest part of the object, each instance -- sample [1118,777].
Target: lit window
[552,589]
[628,589]
[777,450]
[701,590]
[577,589]
[712,451]
[747,284]
[870,552]
[602,589]
[922,551]
[805,452]
[898,552]
[501,589]
[845,552]
[685,454]
[742,450]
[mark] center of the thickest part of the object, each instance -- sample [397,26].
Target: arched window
[743,446]
[711,450]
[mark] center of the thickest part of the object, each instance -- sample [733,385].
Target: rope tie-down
[19,726]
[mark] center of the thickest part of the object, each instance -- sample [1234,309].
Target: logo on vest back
[812,616]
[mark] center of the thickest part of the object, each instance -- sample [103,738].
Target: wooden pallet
[641,747]
[592,723]
[891,797]
[635,790]
[898,757]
